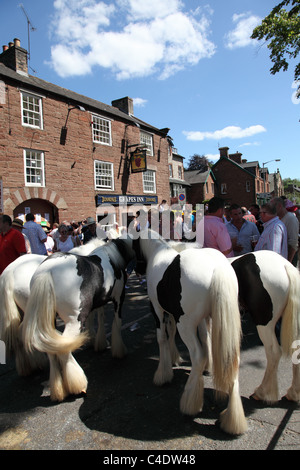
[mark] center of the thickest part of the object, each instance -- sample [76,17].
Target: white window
[31,110]
[101,130]
[34,168]
[170,171]
[146,139]
[149,181]
[104,175]
[223,188]
[180,172]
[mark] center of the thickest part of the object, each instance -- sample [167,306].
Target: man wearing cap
[18,225]
[90,231]
[12,243]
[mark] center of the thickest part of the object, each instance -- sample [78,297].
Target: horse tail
[290,325]
[10,317]
[39,322]
[226,329]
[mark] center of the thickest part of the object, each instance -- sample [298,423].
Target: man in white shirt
[274,235]
[292,227]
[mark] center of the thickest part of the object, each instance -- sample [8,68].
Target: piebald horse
[72,286]
[14,292]
[192,286]
[269,290]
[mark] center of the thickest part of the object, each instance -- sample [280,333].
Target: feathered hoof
[235,429]
[258,399]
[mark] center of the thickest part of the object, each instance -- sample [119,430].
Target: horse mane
[118,250]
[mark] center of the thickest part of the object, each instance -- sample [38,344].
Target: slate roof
[196,176]
[41,86]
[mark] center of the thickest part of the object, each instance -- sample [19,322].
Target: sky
[189,65]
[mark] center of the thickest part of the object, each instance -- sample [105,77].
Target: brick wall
[69,193]
[237,182]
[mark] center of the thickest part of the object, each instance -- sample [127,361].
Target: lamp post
[264,176]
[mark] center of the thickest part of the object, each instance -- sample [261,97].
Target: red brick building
[202,186]
[64,156]
[235,180]
[242,182]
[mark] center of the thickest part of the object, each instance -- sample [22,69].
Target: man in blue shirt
[241,231]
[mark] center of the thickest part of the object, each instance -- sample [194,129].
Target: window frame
[104,188]
[223,188]
[42,168]
[145,173]
[108,121]
[147,135]
[24,93]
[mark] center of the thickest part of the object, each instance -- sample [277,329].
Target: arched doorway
[43,210]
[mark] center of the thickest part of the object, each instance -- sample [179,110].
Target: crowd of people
[233,230]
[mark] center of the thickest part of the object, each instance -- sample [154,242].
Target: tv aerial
[30,27]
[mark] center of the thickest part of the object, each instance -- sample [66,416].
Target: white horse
[269,290]
[72,286]
[192,286]
[14,292]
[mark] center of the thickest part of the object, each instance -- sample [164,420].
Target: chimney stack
[224,152]
[15,57]
[124,104]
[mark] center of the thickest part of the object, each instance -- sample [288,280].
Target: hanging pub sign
[138,161]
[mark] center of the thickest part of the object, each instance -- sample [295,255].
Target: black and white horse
[192,286]
[269,290]
[72,286]
[14,292]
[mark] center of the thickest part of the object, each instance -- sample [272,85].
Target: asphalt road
[124,410]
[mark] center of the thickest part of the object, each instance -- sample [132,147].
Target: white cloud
[241,35]
[250,144]
[129,37]
[212,156]
[139,102]
[229,132]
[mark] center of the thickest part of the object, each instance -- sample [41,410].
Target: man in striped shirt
[274,235]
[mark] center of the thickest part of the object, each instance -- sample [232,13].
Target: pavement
[124,411]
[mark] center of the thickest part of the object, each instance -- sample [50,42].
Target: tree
[198,162]
[282,29]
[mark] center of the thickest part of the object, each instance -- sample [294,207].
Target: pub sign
[138,161]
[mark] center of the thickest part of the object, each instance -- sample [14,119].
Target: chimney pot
[4,48]
[17,42]
[10,44]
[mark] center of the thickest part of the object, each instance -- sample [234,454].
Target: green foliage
[288,183]
[282,29]
[198,162]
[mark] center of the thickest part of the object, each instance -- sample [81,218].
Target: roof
[178,181]
[197,176]
[41,86]
[238,165]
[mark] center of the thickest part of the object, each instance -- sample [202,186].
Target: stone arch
[40,201]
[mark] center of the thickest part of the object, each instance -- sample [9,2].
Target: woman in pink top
[215,231]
